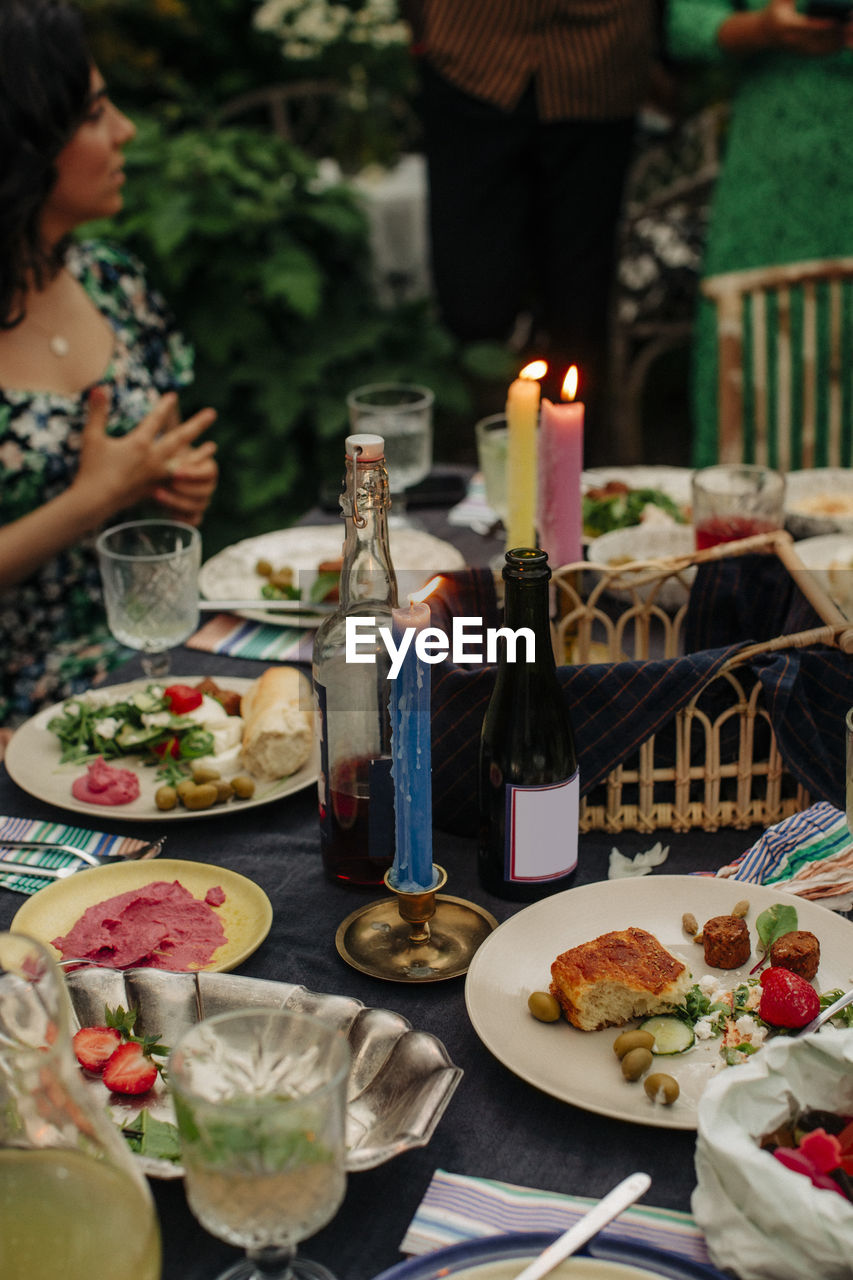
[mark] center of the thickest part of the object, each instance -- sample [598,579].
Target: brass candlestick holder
[425,936]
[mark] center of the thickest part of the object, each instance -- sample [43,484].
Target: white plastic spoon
[622,1195]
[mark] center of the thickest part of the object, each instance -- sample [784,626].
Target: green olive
[636,1063]
[204,773]
[661,1088]
[264,568]
[201,797]
[185,785]
[165,797]
[224,790]
[243,786]
[635,1039]
[543,1006]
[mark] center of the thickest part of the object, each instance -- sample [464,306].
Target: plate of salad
[619,497]
[159,734]
[303,563]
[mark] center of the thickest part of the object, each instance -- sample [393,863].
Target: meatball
[726,942]
[798,951]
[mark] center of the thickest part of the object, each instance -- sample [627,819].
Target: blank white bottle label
[542,831]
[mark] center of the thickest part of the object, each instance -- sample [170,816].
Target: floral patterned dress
[53,636]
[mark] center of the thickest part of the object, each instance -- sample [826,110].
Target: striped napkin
[810,854]
[242,638]
[458,1208]
[32,829]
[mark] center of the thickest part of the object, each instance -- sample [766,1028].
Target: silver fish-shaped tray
[400,1082]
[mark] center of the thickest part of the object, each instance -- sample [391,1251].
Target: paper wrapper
[760,1219]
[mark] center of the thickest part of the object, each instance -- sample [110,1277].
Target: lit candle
[560,467]
[522,413]
[411,759]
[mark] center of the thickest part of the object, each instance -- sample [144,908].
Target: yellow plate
[246,913]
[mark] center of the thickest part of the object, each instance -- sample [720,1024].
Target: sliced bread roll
[616,977]
[278,729]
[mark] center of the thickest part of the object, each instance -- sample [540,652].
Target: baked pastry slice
[618,976]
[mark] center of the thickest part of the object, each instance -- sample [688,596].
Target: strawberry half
[787,1000]
[128,1070]
[94,1046]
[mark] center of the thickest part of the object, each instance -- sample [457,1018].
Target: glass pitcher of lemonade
[72,1201]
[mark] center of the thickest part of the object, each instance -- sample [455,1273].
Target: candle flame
[570,384]
[535,370]
[418,597]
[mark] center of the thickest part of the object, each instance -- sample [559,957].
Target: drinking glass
[149,571]
[402,415]
[736,500]
[492,436]
[73,1202]
[260,1098]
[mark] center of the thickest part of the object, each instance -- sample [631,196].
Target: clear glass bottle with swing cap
[355,788]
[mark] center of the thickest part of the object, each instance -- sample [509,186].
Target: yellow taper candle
[522,413]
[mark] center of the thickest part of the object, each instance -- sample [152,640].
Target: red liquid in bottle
[357,823]
[730,529]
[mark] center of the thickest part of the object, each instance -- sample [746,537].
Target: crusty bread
[278,729]
[616,977]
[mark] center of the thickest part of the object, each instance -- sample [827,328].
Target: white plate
[648,542]
[673,481]
[401,1080]
[819,501]
[827,557]
[580,1066]
[33,762]
[230,574]
[246,913]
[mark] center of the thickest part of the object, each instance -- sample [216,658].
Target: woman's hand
[117,471]
[779,26]
[785,28]
[193,479]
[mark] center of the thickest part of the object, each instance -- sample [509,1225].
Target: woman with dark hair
[89,364]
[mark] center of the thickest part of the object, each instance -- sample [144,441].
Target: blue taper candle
[411,759]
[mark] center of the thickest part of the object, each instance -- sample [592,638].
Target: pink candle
[560,466]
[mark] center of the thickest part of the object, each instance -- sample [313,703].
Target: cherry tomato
[182,698]
[169,747]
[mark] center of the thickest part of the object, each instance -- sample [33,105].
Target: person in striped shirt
[528,110]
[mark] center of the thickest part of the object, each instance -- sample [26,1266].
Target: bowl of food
[829,559]
[639,554]
[819,501]
[502,1257]
[622,497]
[770,1198]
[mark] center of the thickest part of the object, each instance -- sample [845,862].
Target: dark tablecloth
[496,1125]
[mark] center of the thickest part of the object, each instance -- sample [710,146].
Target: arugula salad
[169,726]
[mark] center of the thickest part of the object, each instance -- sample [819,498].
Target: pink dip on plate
[160,925]
[104,783]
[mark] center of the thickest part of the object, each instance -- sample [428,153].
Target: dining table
[496,1125]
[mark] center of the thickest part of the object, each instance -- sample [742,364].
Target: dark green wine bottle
[528,782]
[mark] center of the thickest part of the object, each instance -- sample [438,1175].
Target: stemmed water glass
[149,570]
[260,1098]
[402,415]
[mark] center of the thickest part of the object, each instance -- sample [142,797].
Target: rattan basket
[721,766]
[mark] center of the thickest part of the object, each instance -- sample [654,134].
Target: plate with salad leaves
[135,727]
[620,497]
[582,1067]
[303,563]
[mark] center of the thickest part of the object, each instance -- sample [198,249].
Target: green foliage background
[267,271]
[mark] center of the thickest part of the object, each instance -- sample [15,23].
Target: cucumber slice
[671,1034]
